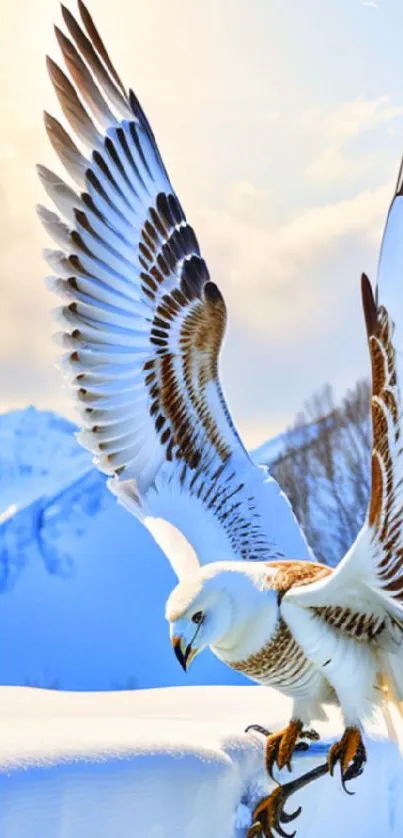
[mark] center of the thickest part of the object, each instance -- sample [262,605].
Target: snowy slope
[169,764]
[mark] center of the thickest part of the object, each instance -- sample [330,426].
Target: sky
[281,125]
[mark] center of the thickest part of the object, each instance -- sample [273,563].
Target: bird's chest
[279,663]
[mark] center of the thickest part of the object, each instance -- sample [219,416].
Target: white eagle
[141,327]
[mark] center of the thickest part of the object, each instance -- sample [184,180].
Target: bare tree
[325,469]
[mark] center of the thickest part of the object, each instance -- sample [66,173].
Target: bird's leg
[350,753]
[269,814]
[280,746]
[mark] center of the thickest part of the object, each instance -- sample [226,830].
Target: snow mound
[169,763]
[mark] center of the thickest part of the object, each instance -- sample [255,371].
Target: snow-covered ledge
[169,763]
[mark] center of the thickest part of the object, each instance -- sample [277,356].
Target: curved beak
[184,654]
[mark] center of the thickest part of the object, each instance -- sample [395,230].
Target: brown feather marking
[295,573]
[391,403]
[200,339]
[365,627]
[377,491]
[369,306]
[360,626]
[86,48]
[379,362]
[173,406]
[280,663]
[385,519]
[71,105]
[98,43]
[61,140]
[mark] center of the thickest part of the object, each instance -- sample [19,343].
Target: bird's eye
[198,617]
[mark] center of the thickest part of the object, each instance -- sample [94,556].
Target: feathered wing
[142,324]
[363,597]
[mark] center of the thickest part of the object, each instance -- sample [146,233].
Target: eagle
[141,327]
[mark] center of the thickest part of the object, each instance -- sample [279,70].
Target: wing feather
[142,323]
[369,580]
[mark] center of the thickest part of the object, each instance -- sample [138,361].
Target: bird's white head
[209,609]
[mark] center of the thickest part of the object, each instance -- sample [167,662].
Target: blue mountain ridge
[82,583]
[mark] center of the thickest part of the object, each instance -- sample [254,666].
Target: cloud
[279,277]
[247,201]
[334,166]
[347,119]
[259,174]
[340,128]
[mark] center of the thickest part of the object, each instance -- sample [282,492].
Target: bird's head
[219,606]
[199,612]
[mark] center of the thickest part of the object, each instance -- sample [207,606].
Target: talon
[287,817]
[357,766]
[285,834]
[259,729]
[281,746]
[269,813]
[344,787]
[351,754]
[311,734]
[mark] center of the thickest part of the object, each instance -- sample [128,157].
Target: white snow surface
[170,763]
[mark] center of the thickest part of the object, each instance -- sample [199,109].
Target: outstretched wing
[142,323]
[369,580]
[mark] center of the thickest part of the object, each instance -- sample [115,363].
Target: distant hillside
[323,465]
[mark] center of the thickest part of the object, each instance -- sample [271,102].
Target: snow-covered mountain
[82,584]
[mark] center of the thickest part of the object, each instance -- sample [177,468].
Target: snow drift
[170,763]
